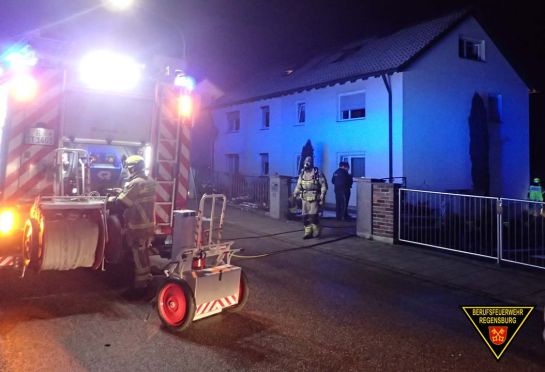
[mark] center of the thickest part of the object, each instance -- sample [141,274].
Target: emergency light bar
[103,70]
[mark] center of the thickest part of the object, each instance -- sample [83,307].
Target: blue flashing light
[19,57]
[184,81]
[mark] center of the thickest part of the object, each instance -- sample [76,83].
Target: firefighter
[311,187]
[136,201]
[535,192]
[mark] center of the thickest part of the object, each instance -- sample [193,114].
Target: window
[357,164]
[264,164]
[232,163]
[301,113]
[494,108]
[352,106]
[471,49]
[265,117]
[233,121]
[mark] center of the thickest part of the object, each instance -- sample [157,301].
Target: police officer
[535,192]
[311,187]
[342,181]
[136,201]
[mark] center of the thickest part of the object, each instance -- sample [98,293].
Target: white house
[340,101]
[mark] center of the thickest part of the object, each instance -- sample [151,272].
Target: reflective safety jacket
[312,185]
[535,193]
[138,196]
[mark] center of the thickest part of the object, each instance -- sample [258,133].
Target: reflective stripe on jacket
[312,185]
[535,193]
[138,196]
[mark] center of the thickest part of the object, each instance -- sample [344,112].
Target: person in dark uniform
[342,181]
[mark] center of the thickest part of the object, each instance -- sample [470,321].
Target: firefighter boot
[308,232]
[316,231]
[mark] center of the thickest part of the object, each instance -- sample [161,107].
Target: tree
[479,146]
[307,150]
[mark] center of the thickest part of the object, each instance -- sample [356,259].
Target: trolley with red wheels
[201,281]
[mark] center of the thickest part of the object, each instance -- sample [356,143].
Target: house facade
[421,80]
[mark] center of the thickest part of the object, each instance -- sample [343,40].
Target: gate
[504,229]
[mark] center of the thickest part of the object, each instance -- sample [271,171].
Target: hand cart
[201,281]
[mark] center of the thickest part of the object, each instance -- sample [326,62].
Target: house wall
[437,93]
[330,138]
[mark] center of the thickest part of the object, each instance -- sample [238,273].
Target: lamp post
[125,5]
[118,5]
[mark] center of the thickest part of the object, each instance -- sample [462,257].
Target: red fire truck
[65,129]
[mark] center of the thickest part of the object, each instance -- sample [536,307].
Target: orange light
[7,221]
[185,106]
[23,87]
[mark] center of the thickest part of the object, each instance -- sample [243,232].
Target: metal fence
[252,191]
[504,229]
[523,232]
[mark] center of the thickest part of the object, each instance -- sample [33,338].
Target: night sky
[230,40]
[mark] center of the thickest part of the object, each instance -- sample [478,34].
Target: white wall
[438,89]
[330,137]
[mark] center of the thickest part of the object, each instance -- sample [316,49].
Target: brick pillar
[384,215]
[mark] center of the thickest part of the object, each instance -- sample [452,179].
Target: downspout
[388,84]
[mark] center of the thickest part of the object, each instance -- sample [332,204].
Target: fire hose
[287,250]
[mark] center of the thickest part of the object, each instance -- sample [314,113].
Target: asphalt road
[309,310]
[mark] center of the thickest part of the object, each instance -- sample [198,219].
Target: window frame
[265,165]
[230,128]
[479,43]
[353,93]
[265,117]
[299,104]
[349,156]
[233,167]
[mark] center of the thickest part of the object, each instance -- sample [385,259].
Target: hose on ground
[294,248]
[280,233]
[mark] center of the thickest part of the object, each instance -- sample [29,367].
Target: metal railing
[250,190]
[503,229]
[523,232]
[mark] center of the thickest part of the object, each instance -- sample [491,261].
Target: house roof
[361,59]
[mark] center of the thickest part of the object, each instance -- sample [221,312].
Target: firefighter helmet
[135,163]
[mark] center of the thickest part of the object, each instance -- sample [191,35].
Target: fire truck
[65,130]
[67,122]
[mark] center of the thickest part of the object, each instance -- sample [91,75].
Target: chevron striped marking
[7,261]
[27,165]
[216,306]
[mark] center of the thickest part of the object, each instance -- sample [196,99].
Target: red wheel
[176,305]
[243,293]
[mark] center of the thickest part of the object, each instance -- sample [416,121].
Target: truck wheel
[175,305]
[243,293]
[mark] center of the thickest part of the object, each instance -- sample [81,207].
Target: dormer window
[473,49]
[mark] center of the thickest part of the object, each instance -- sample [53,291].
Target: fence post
[278,196]
[364,206]
[499,230]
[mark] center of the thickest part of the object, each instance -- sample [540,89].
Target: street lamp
[118,5]
[125,5]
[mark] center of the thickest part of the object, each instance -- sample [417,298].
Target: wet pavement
[334,303]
